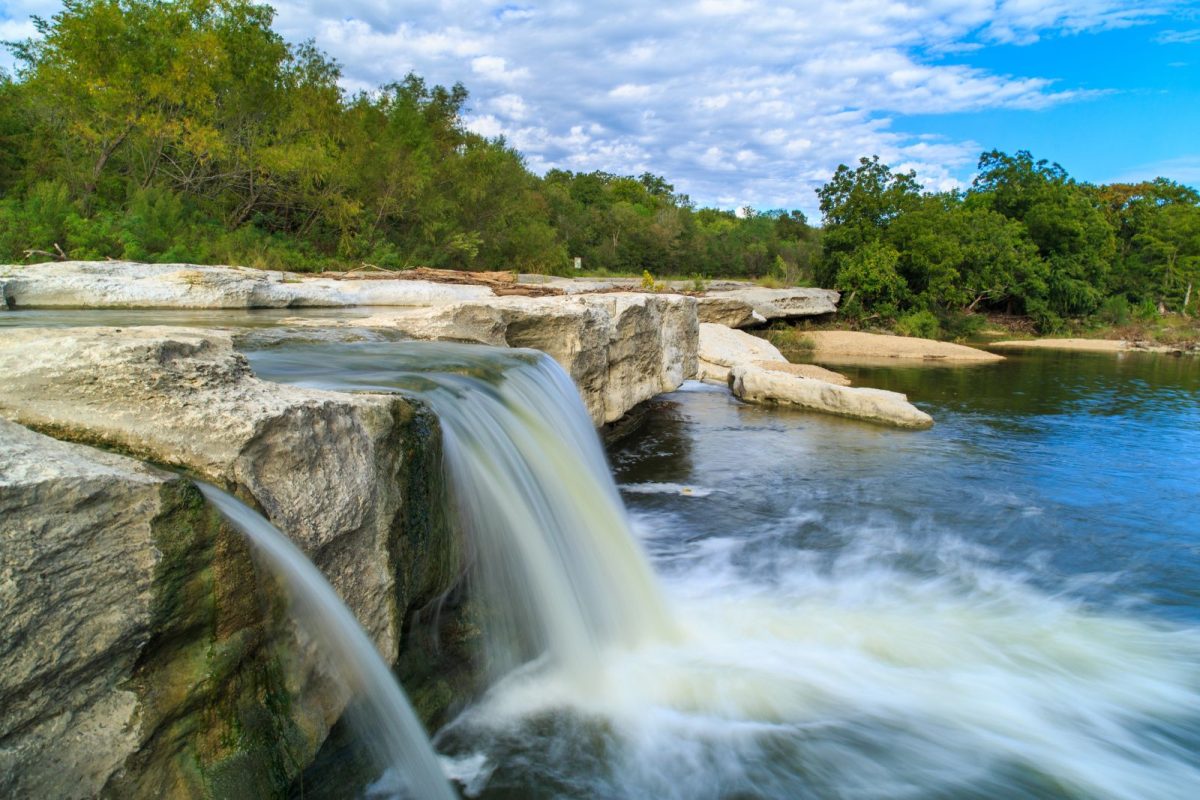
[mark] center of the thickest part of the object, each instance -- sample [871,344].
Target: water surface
[1003,606]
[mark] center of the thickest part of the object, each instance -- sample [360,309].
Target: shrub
[922,324]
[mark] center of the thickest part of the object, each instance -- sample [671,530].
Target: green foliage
[1026,239]
[1114,310]
[922,324]
[192,131]
[870,280]
[790,339]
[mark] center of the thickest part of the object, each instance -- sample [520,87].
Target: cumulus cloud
[738,102]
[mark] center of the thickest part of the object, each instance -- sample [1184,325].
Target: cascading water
[561,576]
[383,716]
[805,655]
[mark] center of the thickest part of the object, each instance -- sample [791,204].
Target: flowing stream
[381,713]
[558,567]
[1004,606]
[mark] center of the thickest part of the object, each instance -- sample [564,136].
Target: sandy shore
[1088,345]
[848,345]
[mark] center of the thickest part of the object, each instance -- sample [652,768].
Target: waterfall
[559,575]
[555,556]
[390,728]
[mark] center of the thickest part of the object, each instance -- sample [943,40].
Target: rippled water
[1003,606]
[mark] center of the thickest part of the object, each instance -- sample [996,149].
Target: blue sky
[750,102]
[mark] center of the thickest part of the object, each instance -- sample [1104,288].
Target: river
[1006,605]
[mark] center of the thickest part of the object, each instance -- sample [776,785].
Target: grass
[790,338]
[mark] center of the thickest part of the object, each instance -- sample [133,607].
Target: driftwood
[57,255]
[502,283]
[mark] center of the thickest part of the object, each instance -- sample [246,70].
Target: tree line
[191,131]
[1025,238]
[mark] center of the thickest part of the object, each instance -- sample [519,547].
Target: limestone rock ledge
[345,476]
[756,385]
[108,284]
[620,348]
[755,305]
[723,348]
[136,645]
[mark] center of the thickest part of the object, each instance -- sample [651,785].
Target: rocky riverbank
[140,652]
[757,372]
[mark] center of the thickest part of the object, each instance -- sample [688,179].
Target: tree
[1064,220]
[858,205]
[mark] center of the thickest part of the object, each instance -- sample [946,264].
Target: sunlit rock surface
[722,348]
[620,349]
[757,304]
[805,371]
[757,385]
[108,284]
[343,475]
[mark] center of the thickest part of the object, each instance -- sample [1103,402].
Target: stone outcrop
[722,348]
[341,474]
[854,346]
[106,284]
[757,385]
[620,348]
[805,371]
[754,305]
[136,644]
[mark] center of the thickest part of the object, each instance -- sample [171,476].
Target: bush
[1114,311]
[922,324]
[790,338]
[959,325]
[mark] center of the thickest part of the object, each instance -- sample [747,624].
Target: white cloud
[1179,37]
[496,70]
[735,101]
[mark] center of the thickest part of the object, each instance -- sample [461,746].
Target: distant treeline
[191,131]
[1025,239]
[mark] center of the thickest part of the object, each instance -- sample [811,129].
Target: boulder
[757,385]
[728,311]
[342,474]
[136,645]
[722,348]
[619,348]
[112,284]
[766,305]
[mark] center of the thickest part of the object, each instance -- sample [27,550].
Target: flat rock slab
[620,349]
[756,385]
[755,305]
[722,348]
[805,371]
[852,345]
[115,284]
